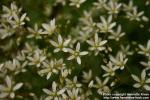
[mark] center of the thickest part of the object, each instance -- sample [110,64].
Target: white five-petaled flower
[86,16]
[106,25]
[87,78]
[55,93]
[101,86]
[113,7]
[76,3]
[6,31]
[110,69]
[145,50]
[129,7]
[73,94]
[97,44]
[37,58]
[75,54]
[100,4]
[64,73]
[15,66]
[18,21]
[61,45]
[59,64]
[119,61]
[8,12]
[89,25]
[49,28]
[9,89]
[135,15]
[116,35]
[126,50]
[83,36]
[73,83]
[35,32]
[48,69]
[141,82]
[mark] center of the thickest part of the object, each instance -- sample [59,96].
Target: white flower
[135,15]
[83,36]
[109,69]
[35,32]
[73,83]
[59,64]
[64,73]
[86,16]
[73,94]
[89,25]
[55,93]
[141,82]
[8,12]
[29,48]
[37,58]
[49,28]
[21,56]
[15,66]
[106,25]
[100,4]
[6,31]
[61,45]
[75,54]
[87,76]
[8,46]
[113,7]
[125,50]
[76,3]
[97,44]
[129,7]
[119,61]
[48,69]
[101,86]
[18,21]
[9,89]
[145,50]
[116,35]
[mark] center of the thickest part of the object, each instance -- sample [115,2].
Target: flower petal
[78,60]
[137,85]
[3,95]
[54,85]
[47,91]
[143,75]
[148,80]
[8,81]
[78,47]
[147,87]
[17,86]
[83,53]
[60,39]
[135,78]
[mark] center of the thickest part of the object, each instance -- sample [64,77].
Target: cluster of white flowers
[80,64]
